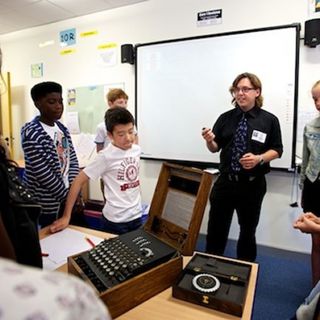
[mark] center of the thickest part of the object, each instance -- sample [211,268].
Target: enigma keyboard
[118,259]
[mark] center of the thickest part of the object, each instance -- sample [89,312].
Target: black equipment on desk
[214,282]
[118,259]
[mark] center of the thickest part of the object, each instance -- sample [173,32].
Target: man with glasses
[249,138]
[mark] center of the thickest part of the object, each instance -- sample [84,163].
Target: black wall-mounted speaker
[312,33]
[127,53]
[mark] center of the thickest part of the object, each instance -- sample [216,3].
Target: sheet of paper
[49,264]
[212,170]
[59,246]
[178,208]
[72,122]
[85,148]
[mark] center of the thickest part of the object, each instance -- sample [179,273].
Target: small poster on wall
[37,70]
[107,54]
[72,122]
[71,97]
[314,7]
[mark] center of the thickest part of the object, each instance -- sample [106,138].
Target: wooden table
[164,307]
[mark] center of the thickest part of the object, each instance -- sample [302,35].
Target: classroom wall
[157,20]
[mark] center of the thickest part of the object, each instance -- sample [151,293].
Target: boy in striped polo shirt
[50,160]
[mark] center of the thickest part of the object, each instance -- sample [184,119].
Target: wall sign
[37,70]
[68,37]
[209,17]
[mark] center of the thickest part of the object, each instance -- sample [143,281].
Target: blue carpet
[284,280]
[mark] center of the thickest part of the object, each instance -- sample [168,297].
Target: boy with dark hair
[50,160]
[116,98]
[118,165]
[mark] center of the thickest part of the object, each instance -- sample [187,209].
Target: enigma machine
[117,259]
[137,265]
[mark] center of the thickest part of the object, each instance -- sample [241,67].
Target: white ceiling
[16,15]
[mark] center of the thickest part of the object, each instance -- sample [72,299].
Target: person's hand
[307,223]
[207,135]
[299,219]
[312,216]
[59,224]
[249,160]
[307,215]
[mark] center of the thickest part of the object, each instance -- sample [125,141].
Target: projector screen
[183,85]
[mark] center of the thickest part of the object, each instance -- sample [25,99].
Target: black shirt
[263,134]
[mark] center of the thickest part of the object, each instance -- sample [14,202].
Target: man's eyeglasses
[243,89]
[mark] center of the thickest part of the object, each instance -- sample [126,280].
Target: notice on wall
[314,8]
[72,122]
[108,54]
[210,17]
[37,70]
[68,37]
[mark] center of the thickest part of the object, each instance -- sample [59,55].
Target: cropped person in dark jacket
[19,213]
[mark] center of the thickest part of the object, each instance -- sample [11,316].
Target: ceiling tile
[17,3]
[21,14]
[81,6]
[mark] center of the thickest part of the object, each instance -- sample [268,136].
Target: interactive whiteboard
[183,85]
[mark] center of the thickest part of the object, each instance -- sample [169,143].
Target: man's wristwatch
[261,160]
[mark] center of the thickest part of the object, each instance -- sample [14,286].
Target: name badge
[259,136]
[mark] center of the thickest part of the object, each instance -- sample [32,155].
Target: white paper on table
[59,246]
[49,264]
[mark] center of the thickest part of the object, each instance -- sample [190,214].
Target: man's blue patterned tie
[239,144]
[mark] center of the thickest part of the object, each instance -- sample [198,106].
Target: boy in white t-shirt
[118,165]
[116,98]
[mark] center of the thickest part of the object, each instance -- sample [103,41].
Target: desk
[164,307]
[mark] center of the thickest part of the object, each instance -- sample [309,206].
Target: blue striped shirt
[43,175]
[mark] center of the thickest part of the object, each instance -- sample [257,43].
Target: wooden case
[175,217]
[233,278]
